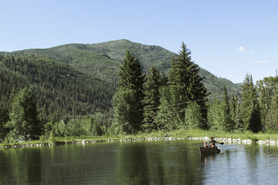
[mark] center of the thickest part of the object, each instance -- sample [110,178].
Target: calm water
[156,162]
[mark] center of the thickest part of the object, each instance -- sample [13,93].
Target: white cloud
[242,49]
[260,62]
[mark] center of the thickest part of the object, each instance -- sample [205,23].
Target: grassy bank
[234,135]
[176,133]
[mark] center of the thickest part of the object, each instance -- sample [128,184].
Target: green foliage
[77,128]
[4,118]
[59,129]
[151,98]
[229,124]
[43,138]
[268,102]
[274,110]
[64,84]
[58,88]
[188,85]
[166,117]
[216,116]
[193,117]
[52,137]
[250,106]
[127,101]
[235,113]
[103,60]
[24,123]
[130,73]
[127,111]
[96,130]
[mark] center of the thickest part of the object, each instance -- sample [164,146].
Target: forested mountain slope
[103,60]
[59,89]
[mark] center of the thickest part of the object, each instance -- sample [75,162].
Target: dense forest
[44,97]
[58,89]
[103,61]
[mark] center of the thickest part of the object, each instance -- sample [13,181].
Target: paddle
[221,143]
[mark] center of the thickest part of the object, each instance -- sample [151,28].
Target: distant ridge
[102,60]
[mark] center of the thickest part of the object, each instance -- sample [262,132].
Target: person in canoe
[211,143]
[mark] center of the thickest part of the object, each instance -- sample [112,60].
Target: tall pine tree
[267,89]
[4,118]
[229,124]
[24,123]
[274,107]
[250,106]
[151,98]
[166,119]
[216,117]
[128,99]
[184,78]
[193,117]
[235,113]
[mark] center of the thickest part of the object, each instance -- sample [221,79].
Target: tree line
[58,88]
[141,103]
[155,102]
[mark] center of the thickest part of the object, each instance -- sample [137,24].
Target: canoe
[203,150]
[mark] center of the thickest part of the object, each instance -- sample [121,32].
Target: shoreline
[84,141]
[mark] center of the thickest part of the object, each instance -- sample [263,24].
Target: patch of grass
[182,133]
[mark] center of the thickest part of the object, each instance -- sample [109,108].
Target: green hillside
[103,60]
[59,89]
[80,79]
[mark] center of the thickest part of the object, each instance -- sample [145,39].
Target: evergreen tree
[216,117]
[229,124]
[13,94]
[24,123]
[96,130]
[255,124]
[151,99]
[166,117]
[127,112]
[235,113]
[129,95]
[264,104]
[188,84]
[4,118]
[274,107]
[267,88]
[193,116]
[58,89]
[164,79]
[250,106]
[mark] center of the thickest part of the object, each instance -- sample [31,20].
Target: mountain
[80,79]
[59,89]
[102,60]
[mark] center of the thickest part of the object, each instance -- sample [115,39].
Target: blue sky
[229,38]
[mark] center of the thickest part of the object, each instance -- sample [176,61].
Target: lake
[139,162]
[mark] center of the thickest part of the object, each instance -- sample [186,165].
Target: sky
[229,38]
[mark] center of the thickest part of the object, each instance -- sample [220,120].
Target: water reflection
[20,166]
[158,163]
[207,158]
[161,162]
[252,154]
[133,164]
[73,164]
